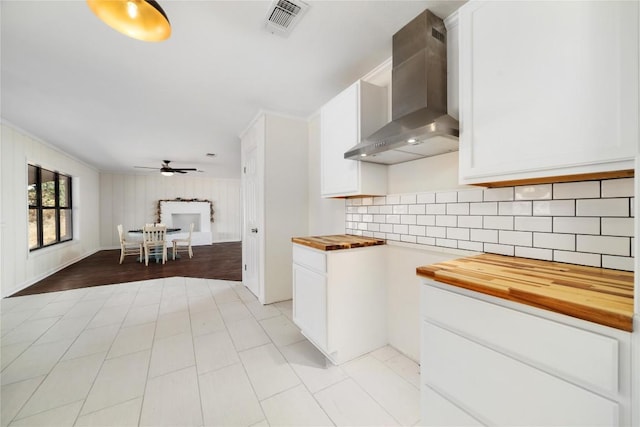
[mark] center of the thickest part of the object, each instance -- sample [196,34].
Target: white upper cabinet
[547,88]
[354,114]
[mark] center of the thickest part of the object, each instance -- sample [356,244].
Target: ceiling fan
[167,170]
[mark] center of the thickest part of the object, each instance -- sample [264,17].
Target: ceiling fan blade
[145,167]
[178,171]
[185,169]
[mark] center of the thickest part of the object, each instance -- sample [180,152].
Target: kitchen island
[513,341]
[339,294]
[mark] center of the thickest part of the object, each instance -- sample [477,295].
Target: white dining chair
[128,247]
[154,242]
[183,244]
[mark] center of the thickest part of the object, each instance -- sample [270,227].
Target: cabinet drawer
[502,391]
[311,258]
[437,411]
[578,355]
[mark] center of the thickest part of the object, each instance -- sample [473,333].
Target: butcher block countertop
[335,242]
[594,294]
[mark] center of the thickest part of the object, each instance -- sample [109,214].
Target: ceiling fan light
[140,19]
[167,173]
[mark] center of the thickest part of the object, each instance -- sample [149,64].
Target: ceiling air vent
[283,15]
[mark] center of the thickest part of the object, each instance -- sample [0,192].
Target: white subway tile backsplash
[381,200]
[488,236]
[517,238]
[401,229]
[446,221]
[386,228]
[470,196]
[457,208]
[503,194]
[427,241]
[622,187]
[407,199]
[470,246]
[592,260]
[617,227]
[417,209]
[533,192]
[499,249]
[408,238]
[565,222]
[426,198]
[535,253]
[555,241]
[470,221]
[576,190]
[393,199]
[617,262]
[400,209]
[498,222]
[603,207]
[408,219]
[554,208]
[447,243]
[434,209]
[490,208]
[436,232]
[379,218]
[533,223]
[576,225]
[418,230]
[393,219]
[426,220]
[447,197]
[515,208]
[386,209]
[458,233]
[604,245]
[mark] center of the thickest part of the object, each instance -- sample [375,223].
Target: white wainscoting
[132,200]
[18,267]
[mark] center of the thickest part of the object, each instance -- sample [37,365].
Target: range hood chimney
[420,126]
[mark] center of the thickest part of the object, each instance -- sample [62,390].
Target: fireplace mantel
[181,213]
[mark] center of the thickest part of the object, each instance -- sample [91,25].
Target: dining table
[136,235]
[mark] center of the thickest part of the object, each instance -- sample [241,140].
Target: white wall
[131,200]
[403,296]
[326,216]
[20,268]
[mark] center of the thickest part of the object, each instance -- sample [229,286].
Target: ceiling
[115,102]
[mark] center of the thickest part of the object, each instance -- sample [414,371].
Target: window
[49,195]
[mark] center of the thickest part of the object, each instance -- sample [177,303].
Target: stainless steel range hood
[420,126]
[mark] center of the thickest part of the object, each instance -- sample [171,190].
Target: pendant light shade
[141,19]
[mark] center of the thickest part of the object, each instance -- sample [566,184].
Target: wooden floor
[217,261]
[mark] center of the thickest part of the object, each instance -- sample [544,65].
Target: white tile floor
[185,352]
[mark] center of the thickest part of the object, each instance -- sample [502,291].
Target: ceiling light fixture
[167,173]
[141,19]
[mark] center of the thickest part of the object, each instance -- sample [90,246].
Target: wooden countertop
[595,294]
[335,242]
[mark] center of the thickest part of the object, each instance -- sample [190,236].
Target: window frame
[40,208]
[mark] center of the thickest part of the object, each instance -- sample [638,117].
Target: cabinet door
[310,304]
[503,391]
[547,88]
[339,131]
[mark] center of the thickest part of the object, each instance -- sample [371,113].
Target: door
[251,214]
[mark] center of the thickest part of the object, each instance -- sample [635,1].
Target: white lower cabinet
[486,362]
[339,299]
